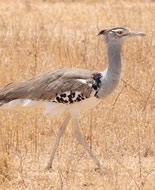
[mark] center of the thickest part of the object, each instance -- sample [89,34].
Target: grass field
[38,36]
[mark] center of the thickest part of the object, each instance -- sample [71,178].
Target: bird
[71,90]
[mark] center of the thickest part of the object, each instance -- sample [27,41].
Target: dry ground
[37,36]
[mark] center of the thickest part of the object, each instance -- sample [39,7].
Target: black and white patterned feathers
[60,86]
[69,97]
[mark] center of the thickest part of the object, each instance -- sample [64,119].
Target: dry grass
[37,36]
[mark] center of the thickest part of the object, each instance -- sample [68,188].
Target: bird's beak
[136,33]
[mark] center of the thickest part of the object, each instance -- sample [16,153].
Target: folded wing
[48,85]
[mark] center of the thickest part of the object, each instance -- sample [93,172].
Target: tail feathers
[20,104]
[15,103]
[2,102]
[48,108]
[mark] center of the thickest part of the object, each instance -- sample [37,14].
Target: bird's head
[118,34]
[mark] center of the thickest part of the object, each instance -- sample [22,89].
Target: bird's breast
[107,87]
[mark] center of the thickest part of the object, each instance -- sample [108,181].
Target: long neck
[114,61]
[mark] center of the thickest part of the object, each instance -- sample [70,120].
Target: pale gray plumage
[47,85]
[83,88]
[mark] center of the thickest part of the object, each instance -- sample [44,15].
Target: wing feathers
[47,85]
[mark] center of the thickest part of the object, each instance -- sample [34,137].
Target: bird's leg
[59,135]
[80,138]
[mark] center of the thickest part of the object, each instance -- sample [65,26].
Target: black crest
[101,32]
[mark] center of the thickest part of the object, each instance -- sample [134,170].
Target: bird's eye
[120,32]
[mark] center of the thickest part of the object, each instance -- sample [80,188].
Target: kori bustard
[72,90]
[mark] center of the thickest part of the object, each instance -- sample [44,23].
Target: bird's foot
[99,164]
[48,167]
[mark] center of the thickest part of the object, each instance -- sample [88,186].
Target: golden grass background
[38,36]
